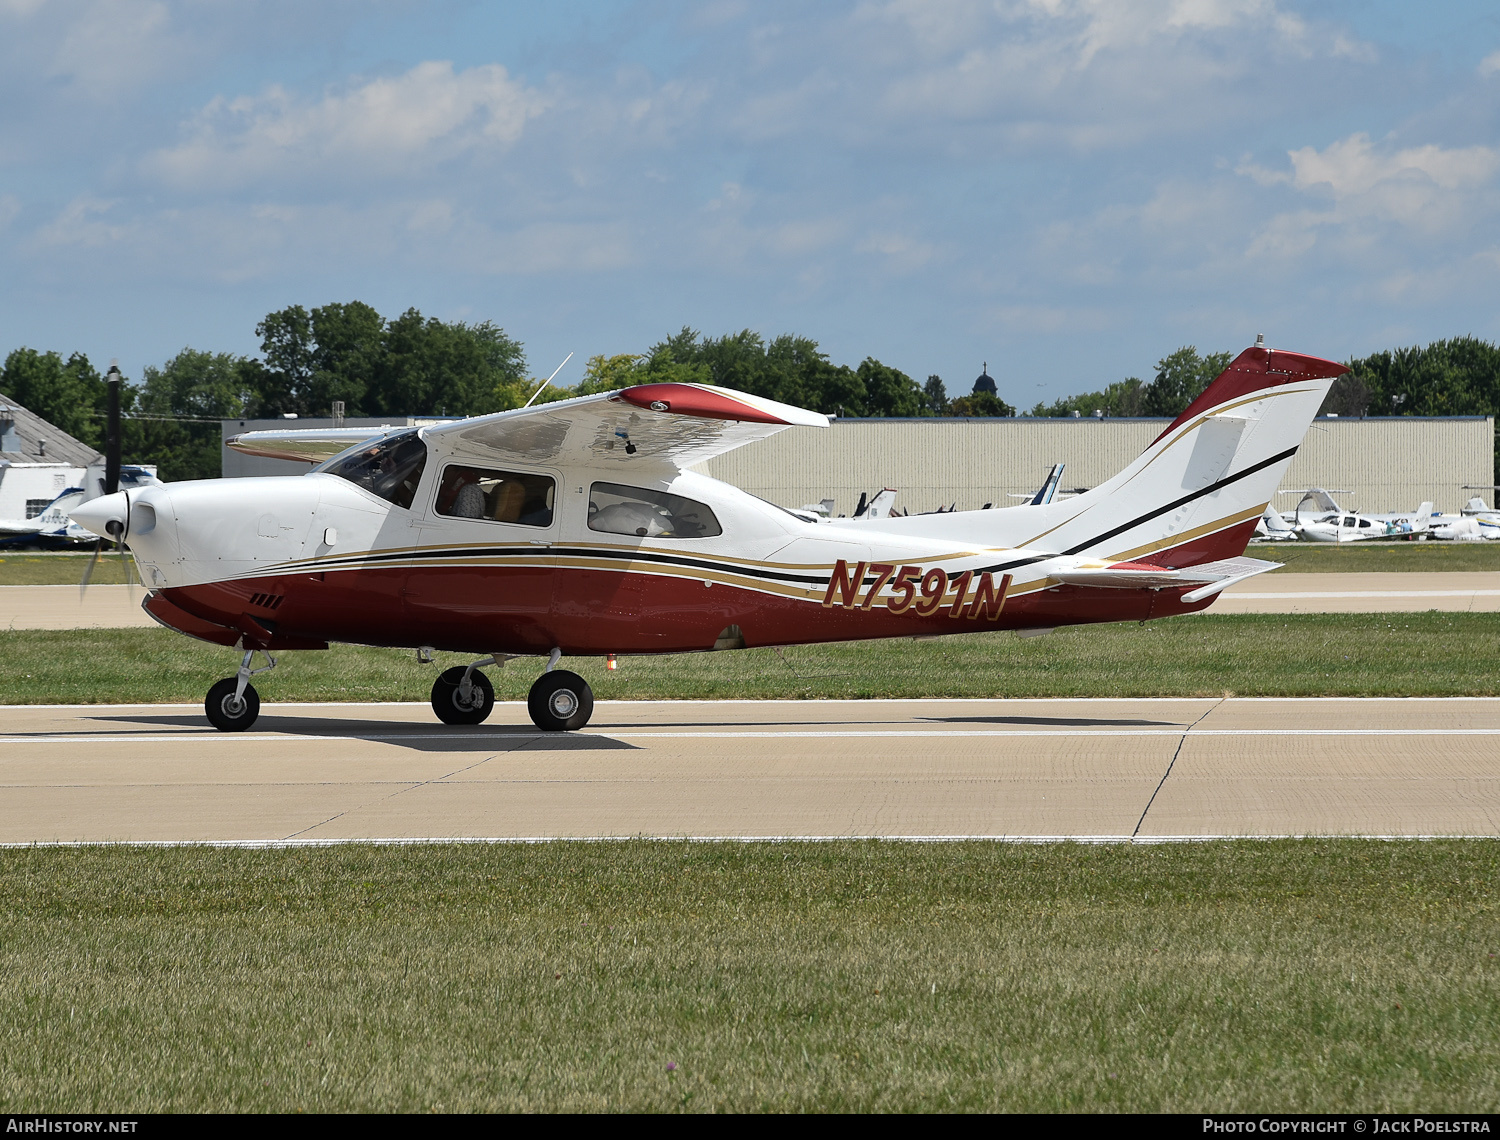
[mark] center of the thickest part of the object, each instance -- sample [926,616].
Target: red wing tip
[691,400]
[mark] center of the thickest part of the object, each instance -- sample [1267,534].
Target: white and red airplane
[576,528]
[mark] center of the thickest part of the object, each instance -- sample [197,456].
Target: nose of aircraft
[97,514]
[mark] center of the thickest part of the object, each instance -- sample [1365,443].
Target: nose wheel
[560,701]
[233,704]
[229,711]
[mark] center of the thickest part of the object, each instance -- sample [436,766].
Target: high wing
[649,425]
[310,445]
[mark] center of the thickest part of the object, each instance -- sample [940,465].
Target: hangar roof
[32,438]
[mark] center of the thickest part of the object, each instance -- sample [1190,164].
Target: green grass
[1378,558]
[1420,654]
[62,569]
[1311,976]
[29,569]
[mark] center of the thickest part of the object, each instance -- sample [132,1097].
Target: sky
[1065,189]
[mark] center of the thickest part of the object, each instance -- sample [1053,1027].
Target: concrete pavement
[1073,768]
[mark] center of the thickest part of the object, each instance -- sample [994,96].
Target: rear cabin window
[496,496]
[391,468]
[617,509]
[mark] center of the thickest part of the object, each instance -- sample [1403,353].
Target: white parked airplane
[1273,528]
[1325,521]
[578,528]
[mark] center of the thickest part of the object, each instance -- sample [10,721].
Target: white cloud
[1490,64]
[84,223]
[1425,188]
[1091,74]
[382,126]
[1410,216]
[118,43]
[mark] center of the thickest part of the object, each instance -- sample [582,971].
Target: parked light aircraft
[1325,521]
[54,526]
[577,528]
[1273,528]
[1046,492]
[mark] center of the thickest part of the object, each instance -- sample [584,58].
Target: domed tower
[985,382]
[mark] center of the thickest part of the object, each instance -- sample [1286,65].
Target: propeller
[115,527]
[117,532]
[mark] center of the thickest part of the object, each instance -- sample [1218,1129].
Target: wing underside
[667,425]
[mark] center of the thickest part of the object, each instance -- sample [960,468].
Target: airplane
[1273,528]
[54,526]
[577,528]
[1332,523]
[1048,490]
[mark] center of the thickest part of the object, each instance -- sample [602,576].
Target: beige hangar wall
[1381,464]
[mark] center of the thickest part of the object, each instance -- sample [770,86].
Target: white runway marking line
[525,840]
[768,734]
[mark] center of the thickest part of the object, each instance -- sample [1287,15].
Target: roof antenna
[547,381]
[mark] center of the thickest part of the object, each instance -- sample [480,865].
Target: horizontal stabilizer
[1212,576]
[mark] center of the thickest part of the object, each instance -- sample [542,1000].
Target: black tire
[225,713]
[450,706]
[560,701]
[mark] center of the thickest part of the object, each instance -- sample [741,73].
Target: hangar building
[1384,464]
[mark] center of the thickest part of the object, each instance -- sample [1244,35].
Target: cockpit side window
[498,496]
[390,468]
[617,509]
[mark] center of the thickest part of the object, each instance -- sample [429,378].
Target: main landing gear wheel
[560,701]
[457,703]
[229,713]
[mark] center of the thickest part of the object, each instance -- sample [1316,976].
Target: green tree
[888,391]
[69,393]
[1180,379]
[981,404]
[346,353]
[409,366]
[431,367]
[286,343]
[180,405]
[610,373]
[1122,399]
[935,397]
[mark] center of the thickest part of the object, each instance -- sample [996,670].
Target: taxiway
[1086,769]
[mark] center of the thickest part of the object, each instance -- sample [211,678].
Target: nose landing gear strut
[233,704]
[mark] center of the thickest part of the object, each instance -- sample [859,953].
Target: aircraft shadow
[404,734]
[1055,721]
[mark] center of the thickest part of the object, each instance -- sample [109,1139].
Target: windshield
[390,468]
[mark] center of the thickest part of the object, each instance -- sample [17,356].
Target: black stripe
[1172,506]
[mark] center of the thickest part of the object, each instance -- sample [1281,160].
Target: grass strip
[1413,655]
[1297,976]
[1378,558]
[63,569]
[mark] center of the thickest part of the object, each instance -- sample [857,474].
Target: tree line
[415,365]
